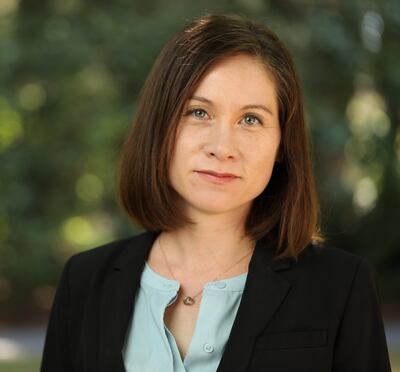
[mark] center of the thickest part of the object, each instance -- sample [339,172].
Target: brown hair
[287,210]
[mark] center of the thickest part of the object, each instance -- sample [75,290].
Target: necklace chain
[190,300]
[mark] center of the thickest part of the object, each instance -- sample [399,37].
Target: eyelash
[191,111]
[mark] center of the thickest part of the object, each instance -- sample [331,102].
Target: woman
[231,273]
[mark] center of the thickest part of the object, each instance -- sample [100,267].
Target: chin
[220,207]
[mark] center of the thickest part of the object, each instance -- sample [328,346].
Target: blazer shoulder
[328,253]
[335,271]
[97,258]
[327,260]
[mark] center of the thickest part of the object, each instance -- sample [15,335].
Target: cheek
[262,166]
[262,172]
[180,161]
[186,144]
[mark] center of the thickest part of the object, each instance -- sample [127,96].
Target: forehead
[237,78]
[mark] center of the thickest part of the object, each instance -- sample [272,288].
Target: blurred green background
[70,73]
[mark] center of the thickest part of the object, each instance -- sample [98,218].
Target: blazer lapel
[263,293]
[116,309]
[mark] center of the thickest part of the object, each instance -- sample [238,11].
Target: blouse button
[208,348]
[220,285]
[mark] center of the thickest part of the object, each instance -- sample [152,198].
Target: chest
[181,319]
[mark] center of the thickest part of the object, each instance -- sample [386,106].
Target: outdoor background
[70,73]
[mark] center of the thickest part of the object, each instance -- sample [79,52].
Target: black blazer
[319,314]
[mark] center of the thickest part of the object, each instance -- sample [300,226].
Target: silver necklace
[190,300]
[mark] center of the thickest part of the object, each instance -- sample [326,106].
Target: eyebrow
[254,106]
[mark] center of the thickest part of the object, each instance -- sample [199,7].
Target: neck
[206,246]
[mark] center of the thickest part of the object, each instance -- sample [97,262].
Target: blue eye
[194,111]
[253,117]
[199,113]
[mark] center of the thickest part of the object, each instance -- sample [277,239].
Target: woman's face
[217,132]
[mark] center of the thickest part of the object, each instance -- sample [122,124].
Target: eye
[251,122]
[200,113]
[197,112]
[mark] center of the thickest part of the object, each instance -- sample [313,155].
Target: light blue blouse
[151,347]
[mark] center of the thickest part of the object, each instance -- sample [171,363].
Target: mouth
[218,174]
[217,179]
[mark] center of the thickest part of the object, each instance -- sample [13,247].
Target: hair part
[287,211]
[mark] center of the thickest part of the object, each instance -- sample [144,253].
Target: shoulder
[329,257]
[85,264]
[334,267]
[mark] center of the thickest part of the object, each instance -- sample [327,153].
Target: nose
[221,142]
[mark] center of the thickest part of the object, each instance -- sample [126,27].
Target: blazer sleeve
[361,341]
[56,355]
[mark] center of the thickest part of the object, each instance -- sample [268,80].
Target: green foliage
[20,365]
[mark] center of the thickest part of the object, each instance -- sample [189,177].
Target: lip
[217,174]
[217,179]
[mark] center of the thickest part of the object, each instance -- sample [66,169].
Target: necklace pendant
[188,300]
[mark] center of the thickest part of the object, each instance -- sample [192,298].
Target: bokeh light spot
[89,187]
[32,96]
[78,230]
[11,128]
[365,196]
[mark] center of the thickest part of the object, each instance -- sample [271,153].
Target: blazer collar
[264,291]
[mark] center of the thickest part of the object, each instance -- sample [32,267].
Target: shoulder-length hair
[287,210]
